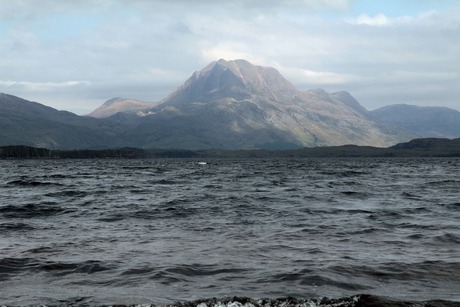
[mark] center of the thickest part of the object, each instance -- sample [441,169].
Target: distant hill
[24,122]
[423,121]
[121,105]
[430,144]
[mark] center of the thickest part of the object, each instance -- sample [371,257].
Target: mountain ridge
[424,121]
[121,105]
[225,105]
[259,104]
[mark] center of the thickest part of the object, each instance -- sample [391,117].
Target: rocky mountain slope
[234,104]
[121,105]
[24,122]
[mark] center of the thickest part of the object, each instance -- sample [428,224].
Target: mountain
[226,105]
[234,104]
[121,105]
[237,79]
[24,122]
[423,121]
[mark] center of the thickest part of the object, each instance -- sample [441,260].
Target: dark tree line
[23,152]
[28,152]
[429,147]
[128,153]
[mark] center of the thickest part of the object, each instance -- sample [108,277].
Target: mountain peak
[113,101]
[234,65]
[119,104]
[236,79]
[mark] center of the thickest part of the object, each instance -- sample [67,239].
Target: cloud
[229,51]
[364,19]
[311,78]
[421,77]
[381,19]
[22,40]
[43,86]
[145,49]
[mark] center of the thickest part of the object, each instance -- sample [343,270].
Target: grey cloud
[145,49]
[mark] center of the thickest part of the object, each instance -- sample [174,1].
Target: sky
[74,55]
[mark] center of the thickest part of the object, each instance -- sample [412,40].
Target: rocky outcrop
[121,105]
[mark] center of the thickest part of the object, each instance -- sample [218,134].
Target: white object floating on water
[202,163]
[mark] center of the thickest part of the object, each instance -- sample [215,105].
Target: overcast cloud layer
[74,55]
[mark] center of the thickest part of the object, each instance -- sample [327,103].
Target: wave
[43,209]
[360,300]
[15,266]
[32,183]
[4,227]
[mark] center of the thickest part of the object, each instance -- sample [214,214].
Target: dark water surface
[158,231]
